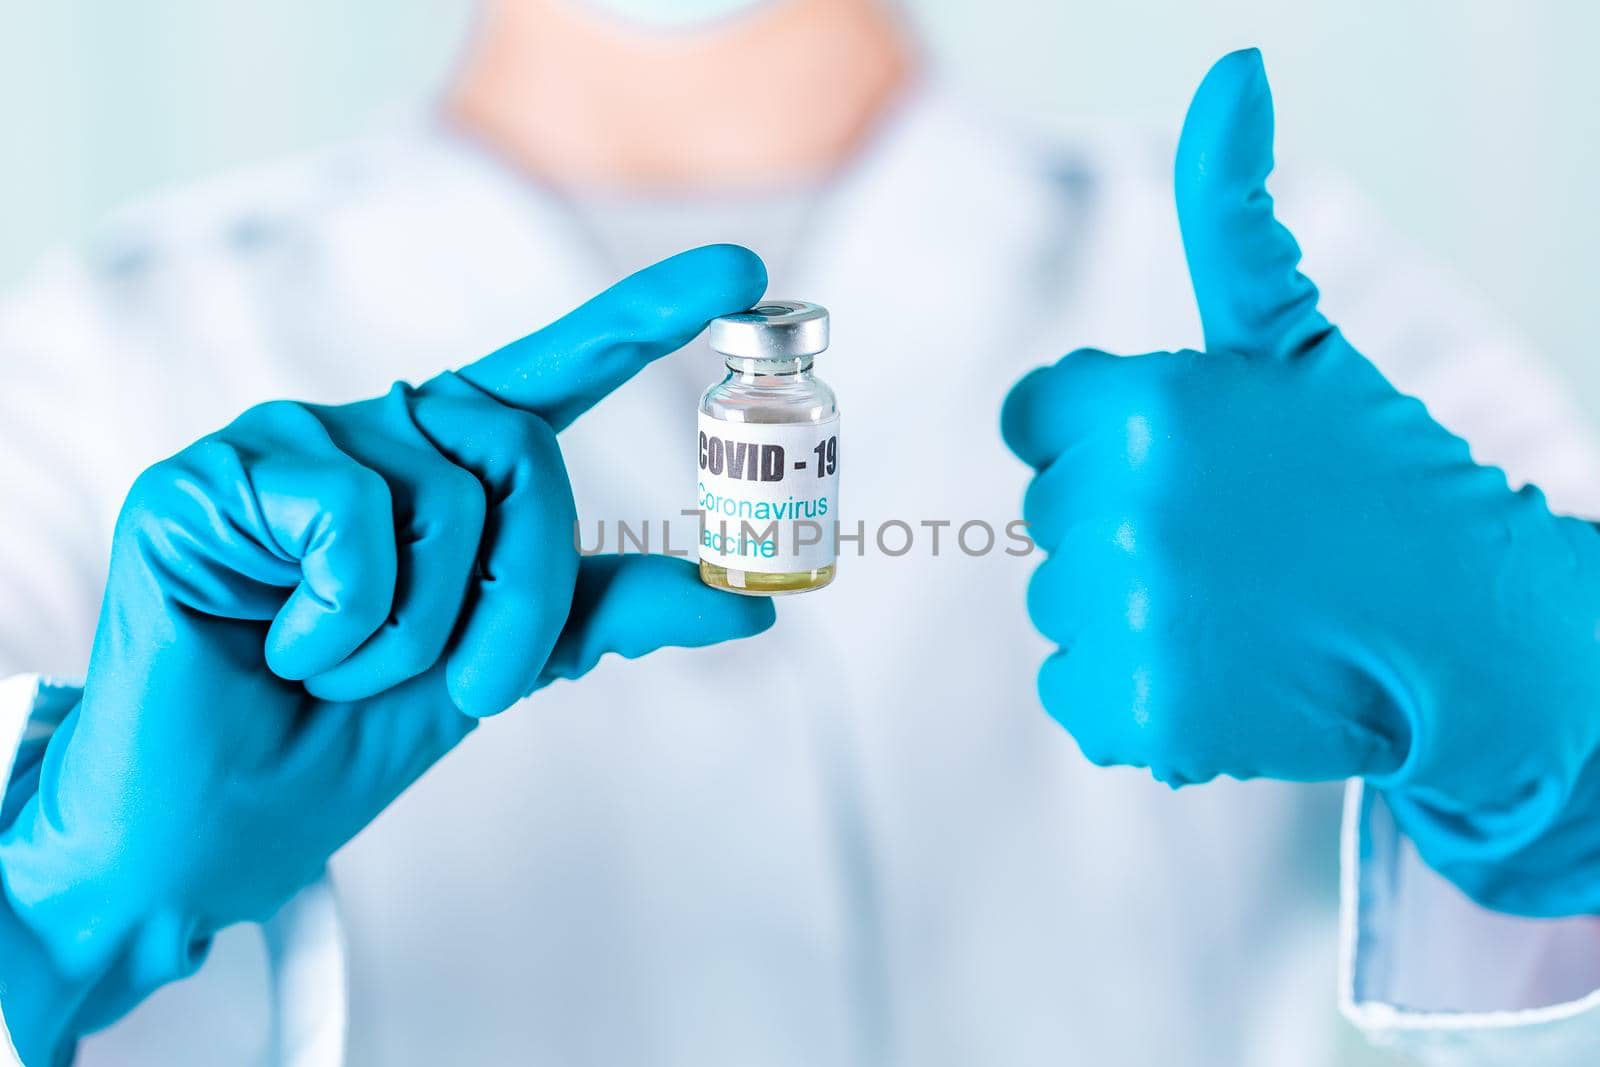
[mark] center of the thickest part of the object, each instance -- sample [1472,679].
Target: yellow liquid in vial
[759,583]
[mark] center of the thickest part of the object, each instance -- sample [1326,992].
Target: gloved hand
[305,611]
[1264,561]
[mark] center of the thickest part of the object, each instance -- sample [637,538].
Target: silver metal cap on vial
[773,329]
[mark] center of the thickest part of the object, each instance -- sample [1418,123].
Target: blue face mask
[674,14]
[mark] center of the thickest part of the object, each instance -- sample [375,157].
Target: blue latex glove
[1264,561]
[305,611]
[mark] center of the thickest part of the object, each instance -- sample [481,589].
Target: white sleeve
[1424,969]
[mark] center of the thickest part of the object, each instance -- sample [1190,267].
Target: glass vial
[769,455]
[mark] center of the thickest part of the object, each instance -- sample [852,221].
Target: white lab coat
[855,839]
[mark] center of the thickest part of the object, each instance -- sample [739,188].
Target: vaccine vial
[769,455]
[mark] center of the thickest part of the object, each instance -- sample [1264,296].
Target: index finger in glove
[566,368]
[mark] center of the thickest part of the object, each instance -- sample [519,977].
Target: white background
[1475,124]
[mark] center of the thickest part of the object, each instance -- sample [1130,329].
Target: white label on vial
[769,494]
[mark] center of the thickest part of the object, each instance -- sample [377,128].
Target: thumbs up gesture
[1265,561]
[307,609]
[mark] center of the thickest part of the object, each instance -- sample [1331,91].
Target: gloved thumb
[569,366]
[1244,264]
[633,605]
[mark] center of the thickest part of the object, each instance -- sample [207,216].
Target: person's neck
[777,96]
